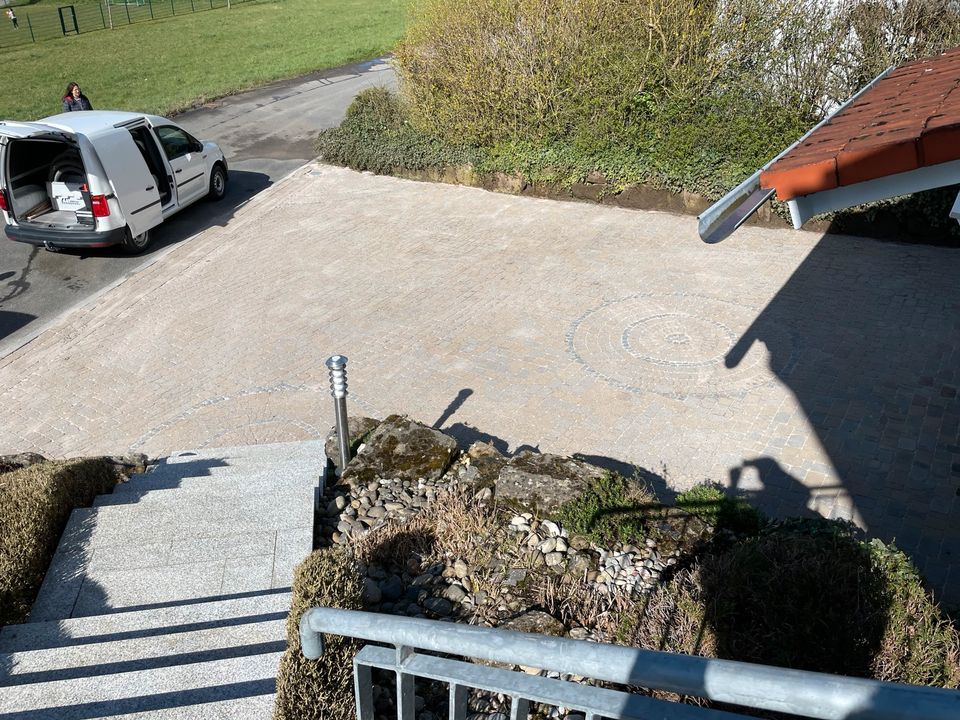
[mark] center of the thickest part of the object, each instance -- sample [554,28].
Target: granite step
[193,515]
[214,462]
[130,652]
[132,492]
[156,620]
[108,578]
[183,687]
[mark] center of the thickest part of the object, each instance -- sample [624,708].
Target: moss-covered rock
[358,427]
[544,483]
[401,448]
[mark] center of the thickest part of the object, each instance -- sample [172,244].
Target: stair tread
[103,579]
[156,620]
[115,654]
[139,691]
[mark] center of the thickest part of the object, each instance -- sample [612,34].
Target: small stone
[548,545]
[552,529]
[515,576]
[578,563]
[376,512]
[355,504]
[394,506]
[467,584]
[423,579]
[555,558]
[461,569]
[455,593]
[579,633]
[438,606]
[529,670]
[561,545]
[579,542]
[337,537]
[533,540]
[392,588]
[371,591]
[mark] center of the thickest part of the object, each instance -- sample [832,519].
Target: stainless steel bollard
[337,364]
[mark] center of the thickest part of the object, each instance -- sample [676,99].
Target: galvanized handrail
[807,694]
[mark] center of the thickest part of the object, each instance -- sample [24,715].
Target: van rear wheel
[134,244]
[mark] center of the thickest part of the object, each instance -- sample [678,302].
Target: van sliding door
[134,186]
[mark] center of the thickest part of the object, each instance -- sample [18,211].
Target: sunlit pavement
[813,374]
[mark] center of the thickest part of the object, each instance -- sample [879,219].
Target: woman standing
[74,99]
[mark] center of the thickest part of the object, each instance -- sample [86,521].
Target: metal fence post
[337,364]
[30,26]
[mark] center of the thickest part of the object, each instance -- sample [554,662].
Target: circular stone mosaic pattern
[680,345]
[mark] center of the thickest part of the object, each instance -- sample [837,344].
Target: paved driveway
[810,373]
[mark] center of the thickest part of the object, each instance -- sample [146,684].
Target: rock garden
[539,543]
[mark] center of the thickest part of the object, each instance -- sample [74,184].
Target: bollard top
[336,362]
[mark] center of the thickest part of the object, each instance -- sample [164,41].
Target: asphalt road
[265,134]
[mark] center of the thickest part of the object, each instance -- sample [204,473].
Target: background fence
[37,23]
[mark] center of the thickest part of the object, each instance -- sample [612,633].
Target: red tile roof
[909,119]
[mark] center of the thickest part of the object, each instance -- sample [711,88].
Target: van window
[175,141]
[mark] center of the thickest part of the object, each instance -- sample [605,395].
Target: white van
[99,178]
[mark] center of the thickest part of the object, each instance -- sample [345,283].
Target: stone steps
[177,686]
[168,598]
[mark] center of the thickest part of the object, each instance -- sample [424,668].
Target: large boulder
[542,483]
[401,448]
[358,427]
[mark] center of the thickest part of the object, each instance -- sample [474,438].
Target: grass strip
[169,65]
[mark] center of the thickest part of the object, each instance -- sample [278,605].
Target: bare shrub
[320,689]
[35,504]
[485,71]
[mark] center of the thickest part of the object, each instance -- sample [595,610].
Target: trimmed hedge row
[35,504]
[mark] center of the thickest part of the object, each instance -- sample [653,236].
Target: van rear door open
[133,185]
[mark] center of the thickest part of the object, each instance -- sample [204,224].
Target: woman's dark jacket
[70,103]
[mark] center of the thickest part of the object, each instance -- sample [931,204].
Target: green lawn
[170,64]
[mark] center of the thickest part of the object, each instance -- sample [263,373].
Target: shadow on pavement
[872,353]
[10,322]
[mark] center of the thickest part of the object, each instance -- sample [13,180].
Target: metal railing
[49,22]
[757,687]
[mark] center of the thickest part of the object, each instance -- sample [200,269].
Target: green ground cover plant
[171,64]
[35,504]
